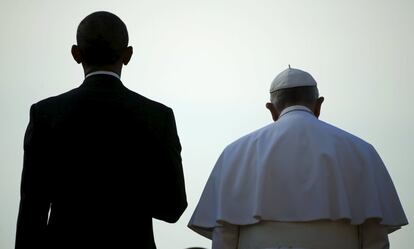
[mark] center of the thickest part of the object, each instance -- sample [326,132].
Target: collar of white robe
[295,108]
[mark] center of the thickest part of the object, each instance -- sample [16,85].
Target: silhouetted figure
[102,159]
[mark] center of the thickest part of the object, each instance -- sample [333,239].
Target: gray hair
[304,95]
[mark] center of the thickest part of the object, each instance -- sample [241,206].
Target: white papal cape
[298,169]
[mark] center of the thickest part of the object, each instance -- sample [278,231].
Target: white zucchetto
[290,78]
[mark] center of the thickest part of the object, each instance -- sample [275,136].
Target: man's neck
[103,72]
[110,68]
[295,108]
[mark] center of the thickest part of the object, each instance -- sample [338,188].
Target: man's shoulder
[130,98]
[52,102]
[134,98]
[316,131]
[341,134]
[253,136]
[320,131]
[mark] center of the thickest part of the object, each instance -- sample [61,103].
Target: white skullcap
[292,77]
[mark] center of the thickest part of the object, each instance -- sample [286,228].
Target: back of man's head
[101,38]
[293,87]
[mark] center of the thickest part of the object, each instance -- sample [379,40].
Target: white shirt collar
[295,108]
[103,72]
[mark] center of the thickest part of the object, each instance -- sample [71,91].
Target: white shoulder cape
[298,169]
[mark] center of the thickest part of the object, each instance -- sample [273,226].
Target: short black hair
[293,96]
[101,38]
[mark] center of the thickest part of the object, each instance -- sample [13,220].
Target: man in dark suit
[100,161]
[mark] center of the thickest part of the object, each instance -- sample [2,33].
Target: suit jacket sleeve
[171,201]
[34,201]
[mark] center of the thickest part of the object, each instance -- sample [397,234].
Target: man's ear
[127,54]
[76,54]
[317,108]
[275,113]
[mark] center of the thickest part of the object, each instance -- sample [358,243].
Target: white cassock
[297,169]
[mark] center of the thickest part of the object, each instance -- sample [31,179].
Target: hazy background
[213,62]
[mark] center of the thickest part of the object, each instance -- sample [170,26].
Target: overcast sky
[213,62]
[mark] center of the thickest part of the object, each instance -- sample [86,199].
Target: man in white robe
[298,182]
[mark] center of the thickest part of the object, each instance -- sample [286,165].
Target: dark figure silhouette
[100,161]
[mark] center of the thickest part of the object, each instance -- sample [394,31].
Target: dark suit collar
[102,81]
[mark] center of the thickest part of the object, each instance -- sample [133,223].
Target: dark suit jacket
[104,161]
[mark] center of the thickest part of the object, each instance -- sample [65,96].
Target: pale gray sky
[213,62]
